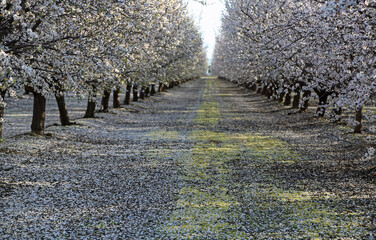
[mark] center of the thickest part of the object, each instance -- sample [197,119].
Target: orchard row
[91,48]
[307,48]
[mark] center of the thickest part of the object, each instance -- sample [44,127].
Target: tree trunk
[254,87]
[105,101]
[296,101]
[264,90]
[64,116]
[358,118]
[259,89]
[142,92]
[288,98]
[152,91]
[127,99]
[147,91]
[135,93]
[281,97]
[323,100]
[90,110]
[2,109]
[306,96]
[160,88]
[269,92]
[116,98]
[39,114]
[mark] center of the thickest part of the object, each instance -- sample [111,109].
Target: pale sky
[208,18]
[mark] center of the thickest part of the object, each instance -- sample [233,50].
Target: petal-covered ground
[203,161]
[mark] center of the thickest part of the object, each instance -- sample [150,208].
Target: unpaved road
[203,161]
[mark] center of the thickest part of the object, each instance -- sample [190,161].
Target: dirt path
[203,161]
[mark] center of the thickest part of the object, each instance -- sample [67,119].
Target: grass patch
[163,134]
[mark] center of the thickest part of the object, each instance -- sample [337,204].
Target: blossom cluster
[68,45]
[326,48]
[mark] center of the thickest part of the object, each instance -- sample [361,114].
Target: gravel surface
[206,160]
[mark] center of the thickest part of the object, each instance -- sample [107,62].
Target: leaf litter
[204,161]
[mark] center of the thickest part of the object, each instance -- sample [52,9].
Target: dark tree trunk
[323,100]
[152,89]
[259,89]
[105,101]
[264,90]
[39,114]
[160,88]
[90,110]
[2,109]
[306,96]
[147,91]
[358,118]
[142,92]
[64,116]
[116,98]
[135,93]
[288,98]
[281,96]
[269,92]
[254,87]
[127,99]
[296,101]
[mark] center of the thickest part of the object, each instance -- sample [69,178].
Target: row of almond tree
[288,47]
[91,48]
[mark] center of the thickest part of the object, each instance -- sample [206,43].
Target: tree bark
[2,109]
[39,113]
[306,96]
[27,91]
[142,92]
[269,92]
[160,88]
[64,116]
[127,99]
[287,101]
[152,91]
[105,101]
[259,89]
[116,98]
[323,100]
[264,90]
[296,101]
[90,110]
[358,118]
[254,87]
[135,93]
[147,91]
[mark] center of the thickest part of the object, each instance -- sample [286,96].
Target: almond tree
[54,47]
[285,47]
